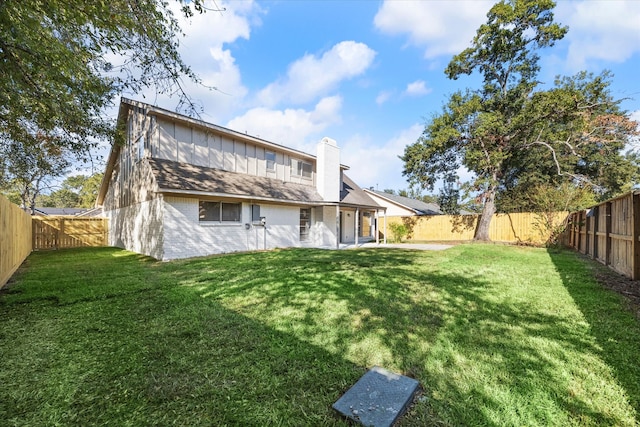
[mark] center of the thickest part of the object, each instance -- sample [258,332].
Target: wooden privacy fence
[609,233]
[15,238]
[58,232]
[521,228]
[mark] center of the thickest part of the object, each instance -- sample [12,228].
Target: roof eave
[242,197]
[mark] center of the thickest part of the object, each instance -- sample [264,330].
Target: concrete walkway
[414,246]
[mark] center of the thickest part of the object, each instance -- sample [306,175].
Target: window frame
[270,163]
[305,225]
[219,217]
[298,168]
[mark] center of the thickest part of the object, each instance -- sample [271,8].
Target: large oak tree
[509,131]
[62,62]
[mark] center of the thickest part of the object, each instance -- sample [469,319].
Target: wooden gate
[58,232]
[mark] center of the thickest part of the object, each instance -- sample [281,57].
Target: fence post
[34,233]
[587,233]
[596,228]
[580,226]
[607,238]
[635,233]
[572,236]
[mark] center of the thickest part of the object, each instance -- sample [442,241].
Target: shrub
[398,231]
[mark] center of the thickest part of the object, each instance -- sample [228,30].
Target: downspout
[337,227]
[357,219]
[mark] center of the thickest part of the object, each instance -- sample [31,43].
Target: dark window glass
[301,168]
[271,160]
[255,213]
[209,211]
[231,212]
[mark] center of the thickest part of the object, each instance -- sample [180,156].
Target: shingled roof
[418,206]
[352,195]
[187,178]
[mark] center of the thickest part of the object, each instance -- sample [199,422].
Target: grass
[496,335]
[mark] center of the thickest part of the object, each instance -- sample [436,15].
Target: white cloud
[378,166]
[600,30]
[311,76]
[203,49]
[290,127]
[383,97]
[417,88]
[440,27]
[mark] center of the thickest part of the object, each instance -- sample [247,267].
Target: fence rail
[15,238]
[521,228]
[58,232]
[610,233]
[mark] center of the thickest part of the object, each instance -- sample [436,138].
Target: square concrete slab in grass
[378,398]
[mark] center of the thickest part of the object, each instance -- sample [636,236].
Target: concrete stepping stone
[378,399]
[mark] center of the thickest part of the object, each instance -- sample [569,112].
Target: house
[178,187]
[45,211]
[403,206]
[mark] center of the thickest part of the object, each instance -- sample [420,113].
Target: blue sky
[369,73]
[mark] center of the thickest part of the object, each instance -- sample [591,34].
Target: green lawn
[496,335]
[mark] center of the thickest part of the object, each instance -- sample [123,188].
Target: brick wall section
[138,228]
[186,237]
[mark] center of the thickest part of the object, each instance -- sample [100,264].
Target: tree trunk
[482,230]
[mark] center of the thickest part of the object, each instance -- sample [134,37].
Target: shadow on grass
[158,356]
[274,338]
[615,329]
[478,356]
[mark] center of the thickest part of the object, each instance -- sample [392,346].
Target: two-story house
[178,187]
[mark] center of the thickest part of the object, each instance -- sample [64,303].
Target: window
[271,160]
[305,223]
[220,211]
[255,213]
[300,168]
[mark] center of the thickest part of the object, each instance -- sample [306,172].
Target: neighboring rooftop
[59,211]
[418,206]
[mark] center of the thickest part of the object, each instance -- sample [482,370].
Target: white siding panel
[252,162]
[216,159]
[154,137]
[185,144]
[282,167]
[240,149]
[228,155]
[262,164]
[201,148]
[168,145]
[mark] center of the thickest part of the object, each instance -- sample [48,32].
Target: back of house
[178,187]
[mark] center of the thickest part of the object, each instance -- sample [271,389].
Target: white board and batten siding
[174,141]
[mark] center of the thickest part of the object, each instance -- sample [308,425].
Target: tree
[509,132]
[449,197]
[76,191]
[57,71]
[27,169]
